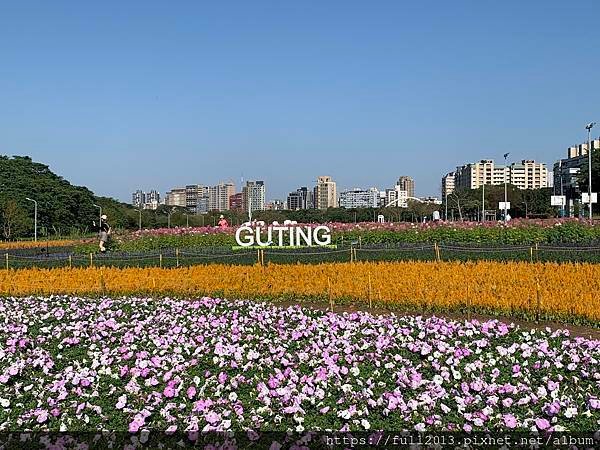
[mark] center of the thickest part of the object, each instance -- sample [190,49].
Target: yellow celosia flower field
[38,244]
[548,290]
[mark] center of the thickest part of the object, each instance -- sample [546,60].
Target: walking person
[105,230]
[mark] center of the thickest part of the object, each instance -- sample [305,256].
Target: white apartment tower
[325,193]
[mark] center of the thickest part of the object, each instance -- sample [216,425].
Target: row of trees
[466,203]
[63,209]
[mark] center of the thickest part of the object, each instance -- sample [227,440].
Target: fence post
[262,256]
[70,262]
[7,261]
[537,252]
[91,259]
[177,256]
[258,256]
[351,254]
[531,254]
[160,260]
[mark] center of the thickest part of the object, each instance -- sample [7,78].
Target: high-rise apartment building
[448,184]
[254,196]
[219,196]
[325,193]
[302,198]
[176,197]
[526,174]
[145,200]
[359,198]
[396,197]
[566,171]
[138,198]
[407,184]
[236,201]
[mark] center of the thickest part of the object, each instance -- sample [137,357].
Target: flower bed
[134,364]
[517,232]
[547,291]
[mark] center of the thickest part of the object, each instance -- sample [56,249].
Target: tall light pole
[505,188]
[34,217]
[446,215]
[589,127]
[100,226]
[483,197]
[140,218]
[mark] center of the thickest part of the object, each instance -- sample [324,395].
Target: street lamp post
[446,215]
[140,217]
[505,189]
[589,127]
[483,197]
[34,217]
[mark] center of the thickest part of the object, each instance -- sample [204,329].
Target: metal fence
[310,255]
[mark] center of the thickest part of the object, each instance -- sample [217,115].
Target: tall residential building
[275,205]
[325,193]
[138,198]
[236,202]
[566,170]
[359,198]
[176,197]
[474,175]
[219,196]
[396,197]
[145,200]
[407,184]
[194,194]
[448,184]
[526,174]
[254,196]
[302,198]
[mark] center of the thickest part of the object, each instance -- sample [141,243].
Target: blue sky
[121,95]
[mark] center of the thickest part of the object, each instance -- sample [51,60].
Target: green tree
[14,220]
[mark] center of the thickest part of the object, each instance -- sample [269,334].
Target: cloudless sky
[120,95]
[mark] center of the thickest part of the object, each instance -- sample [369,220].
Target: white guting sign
[283,236]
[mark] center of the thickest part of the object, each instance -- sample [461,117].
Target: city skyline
[356,91]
